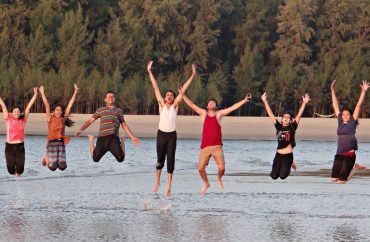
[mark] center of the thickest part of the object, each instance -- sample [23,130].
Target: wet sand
[254,128]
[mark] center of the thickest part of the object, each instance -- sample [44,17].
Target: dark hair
[109,91]
[68,122]
[212,99]
[290,113]
[21,116]
[171,91]
[349,110]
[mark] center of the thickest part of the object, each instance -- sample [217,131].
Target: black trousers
[166,147]
[281,166]
[342,166]
[110,143]
[15,156]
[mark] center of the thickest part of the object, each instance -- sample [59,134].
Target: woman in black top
[285,133]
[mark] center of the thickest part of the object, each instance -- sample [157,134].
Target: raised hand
[75,86]
[41,89]
[306,98]
[35,90]
[264,97]
[364,86]
[248,97]
[194,68]
[149,66]
[181,91]
[332,85]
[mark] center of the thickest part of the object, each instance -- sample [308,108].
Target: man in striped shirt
[111,117]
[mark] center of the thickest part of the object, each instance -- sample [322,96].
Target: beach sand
[254,128]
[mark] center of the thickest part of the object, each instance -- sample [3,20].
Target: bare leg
[357,167]
[169,182]
[203,175]
[221,172]
[157,182]
[91,143]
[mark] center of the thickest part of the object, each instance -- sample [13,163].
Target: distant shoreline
[252,128]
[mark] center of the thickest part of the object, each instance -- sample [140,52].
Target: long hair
[68,122]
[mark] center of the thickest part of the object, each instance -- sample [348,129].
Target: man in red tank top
[211,137]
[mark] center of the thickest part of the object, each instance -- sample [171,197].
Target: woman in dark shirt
[285,133]
[345,158]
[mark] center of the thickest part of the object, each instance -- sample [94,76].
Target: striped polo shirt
[110,120]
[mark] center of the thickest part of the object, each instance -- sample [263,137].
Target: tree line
[284,47]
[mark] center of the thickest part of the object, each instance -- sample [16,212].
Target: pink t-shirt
[14,129]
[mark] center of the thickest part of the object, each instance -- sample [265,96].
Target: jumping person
[285,133]
[345,158]
[111,117]
[166,134]
[14,146]
[57,120]
[211,144]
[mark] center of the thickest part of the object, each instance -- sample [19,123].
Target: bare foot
[220,184]
[204,188]
[168,193]
[360,167]
[334,179]
[156,186]
[294,166]
[17,175]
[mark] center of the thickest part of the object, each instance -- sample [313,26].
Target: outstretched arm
[305,100]
[186,85]
[191,105]
[70,104]
[30,104]
[46,103]
[364,87]
[154,84]
[268,109]
[134,140]
[226,111]
[334,99]
[85,126]
[5,110]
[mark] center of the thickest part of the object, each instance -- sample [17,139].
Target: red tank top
[211,132]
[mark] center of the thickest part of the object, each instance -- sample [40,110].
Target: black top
[285,134]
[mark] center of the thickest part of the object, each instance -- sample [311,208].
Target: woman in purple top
[345,158]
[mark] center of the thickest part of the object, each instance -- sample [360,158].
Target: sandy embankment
[255,128]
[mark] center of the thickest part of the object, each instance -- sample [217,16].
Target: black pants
[281,166]
[166,146]
[108,143]
[14,155]
[342,166]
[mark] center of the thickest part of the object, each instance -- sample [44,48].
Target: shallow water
[110,201]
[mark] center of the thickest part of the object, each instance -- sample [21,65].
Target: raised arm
[186,85]
[30,104]
[134,140]
[334,99]
[46,103]
[305,100]
[364,87]
[5,110]
[268,109]
[85,126]
[191,105]
[155,84]
[226,111]
[70,104]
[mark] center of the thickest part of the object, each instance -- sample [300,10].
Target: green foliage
[283,47]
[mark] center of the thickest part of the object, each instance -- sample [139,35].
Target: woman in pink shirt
[14,146]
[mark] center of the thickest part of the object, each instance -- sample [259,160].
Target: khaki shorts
[215,151]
